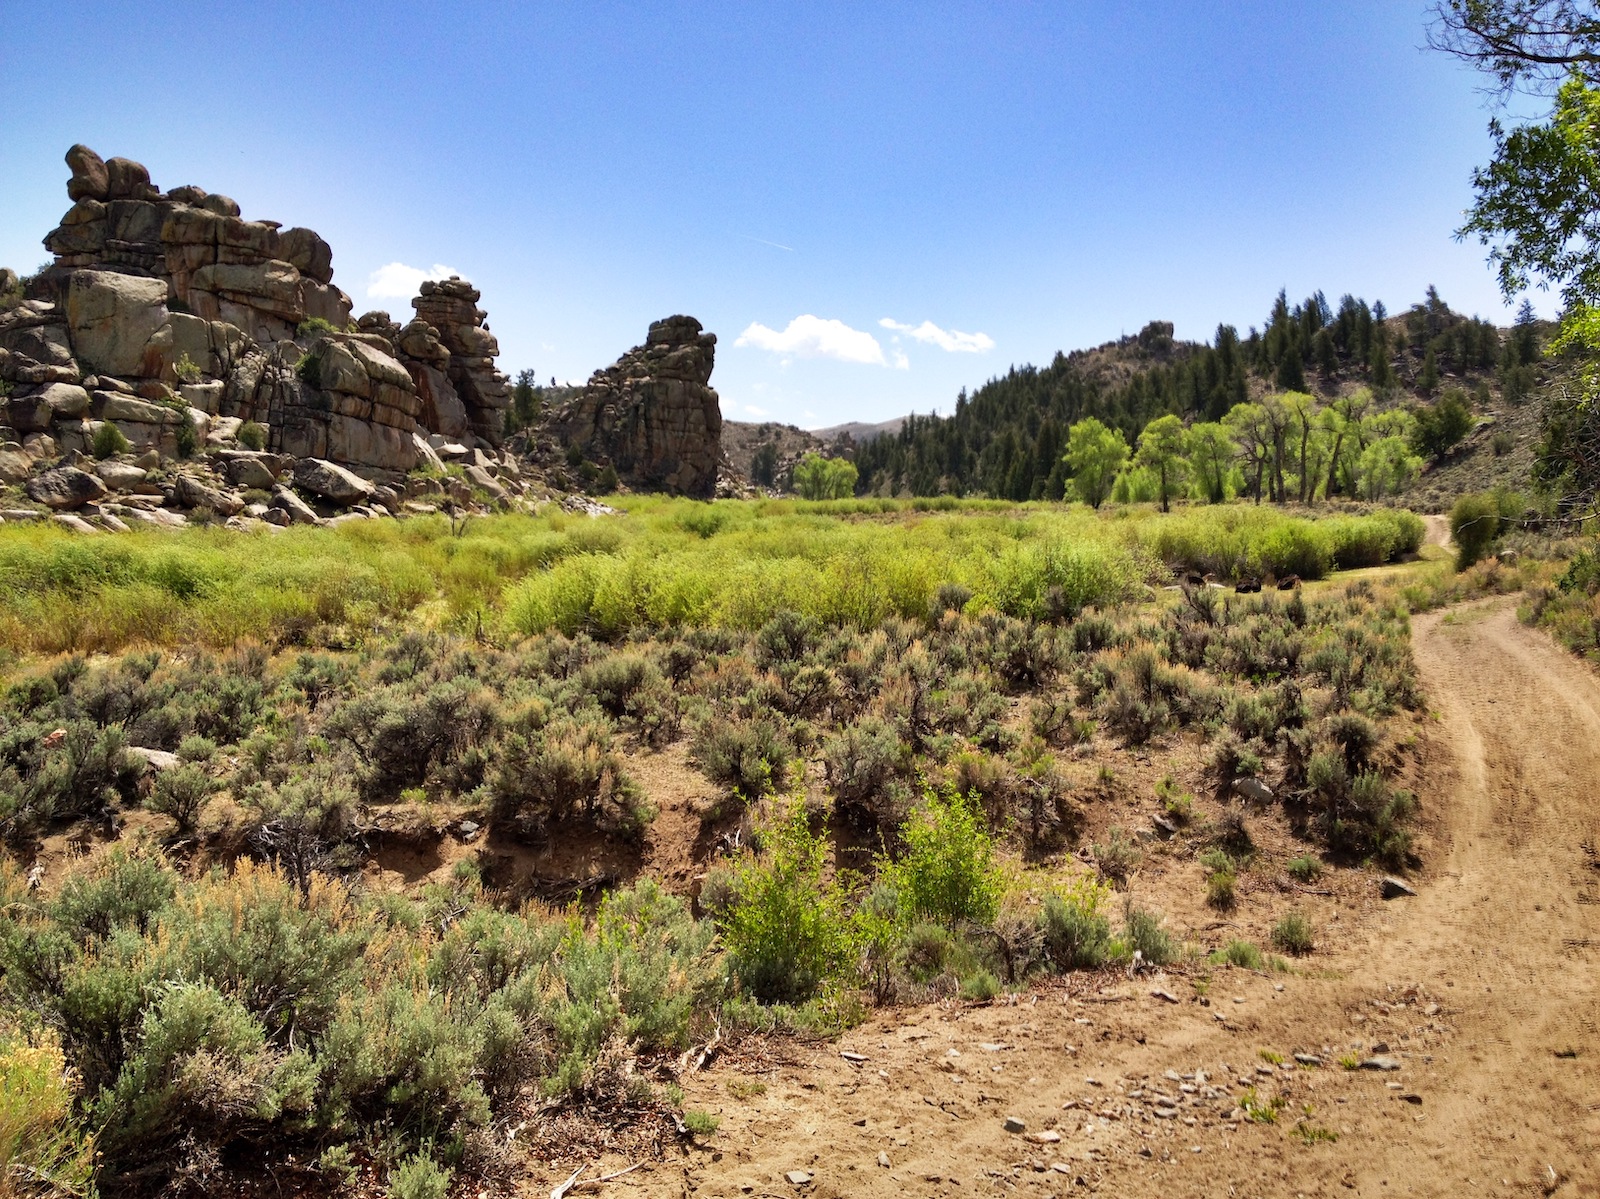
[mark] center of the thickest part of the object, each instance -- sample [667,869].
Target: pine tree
[1291,374]
[1428,379]
[1327,354]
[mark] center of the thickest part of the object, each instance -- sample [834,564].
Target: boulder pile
[653,416]
[175,355]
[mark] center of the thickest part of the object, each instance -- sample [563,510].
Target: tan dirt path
[1481,988]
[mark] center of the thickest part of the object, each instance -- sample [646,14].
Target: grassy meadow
[661,564]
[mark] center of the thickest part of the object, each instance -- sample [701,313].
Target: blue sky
[872,205]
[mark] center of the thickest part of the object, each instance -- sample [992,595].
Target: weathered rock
[449,310]
[114,406]
[1015,1124]
[484,481]
[65,400]
[40,447]
[331,481]
[69,520]
[112,317]
[154,759]
[28,413]
[128,180]
[293,506]
[1380,1063]
[15,467]
[90,179]
[65,488]
[1252,790]
[120,476]
[653,416]
[194,494]
[1394,888]
[205,396]
[246,469]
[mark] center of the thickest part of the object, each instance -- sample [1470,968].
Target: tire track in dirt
[1483,982]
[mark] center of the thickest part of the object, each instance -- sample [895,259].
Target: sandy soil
[1482,991]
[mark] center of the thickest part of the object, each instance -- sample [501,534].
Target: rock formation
[653,416]
[162,307]
[173,319]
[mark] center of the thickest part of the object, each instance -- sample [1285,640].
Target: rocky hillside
[177,358]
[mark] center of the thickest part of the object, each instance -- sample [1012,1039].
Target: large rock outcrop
[163,309]
[653,415]
[217,266]
[449,320]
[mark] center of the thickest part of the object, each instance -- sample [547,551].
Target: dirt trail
[1480,988]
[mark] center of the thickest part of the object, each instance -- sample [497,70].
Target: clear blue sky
[1032,176]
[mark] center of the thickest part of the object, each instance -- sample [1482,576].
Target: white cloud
[400,282]
[901,362]
[812,337]
[754,411]
[950,340]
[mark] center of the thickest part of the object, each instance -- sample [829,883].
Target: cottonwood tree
[1161,447]
[1211,452]
[819,478]
[1095,453]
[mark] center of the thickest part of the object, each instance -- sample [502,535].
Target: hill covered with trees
[1363,373]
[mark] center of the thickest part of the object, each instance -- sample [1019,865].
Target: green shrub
[545,775]
[1220,892]
[186,369]
[1242,954]
[947,872]
[1293,935]
[315,326]
[786,931]
[253,436]
[1474,525]
[108,441]
[701,1124]
[185,435]
[419,1177]
[181,793]
[980,986]
[1077,934]
[750,756]
[1117,858]
[1143,930]
[1304,869]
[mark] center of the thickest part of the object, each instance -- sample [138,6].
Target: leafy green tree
[1161,448]
[1342,422]
[1211,452]
[1536,206]
[819,478]
[1386,466]
[1247,426]
[1095,453]
[1305,429]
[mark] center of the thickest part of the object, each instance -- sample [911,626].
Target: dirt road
[1483,993]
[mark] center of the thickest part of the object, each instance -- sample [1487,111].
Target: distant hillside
[1007,438]
[780,445]
[858,432]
